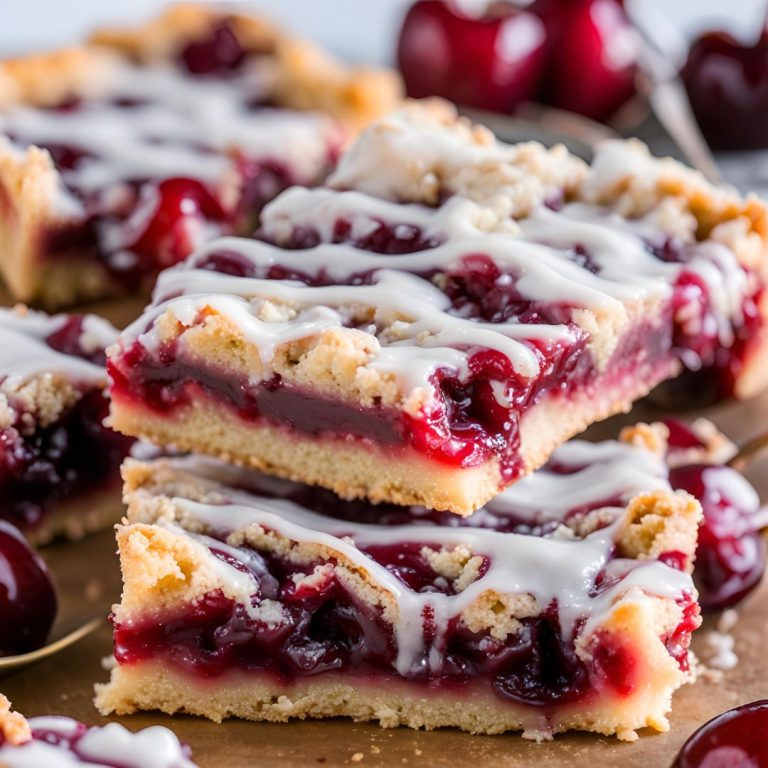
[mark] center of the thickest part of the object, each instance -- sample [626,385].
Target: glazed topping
[421,289]
[33,343]
[60,742]
[555,570]
[164,124]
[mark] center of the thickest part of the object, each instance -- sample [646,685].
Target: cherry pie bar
[119,157]
[430,325]
[61,742]
[59,464]
[251,596]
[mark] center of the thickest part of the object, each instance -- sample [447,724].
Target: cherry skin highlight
[735,739]
[592,56]
[491,61]
[727,84]
[28,601]
[730,558]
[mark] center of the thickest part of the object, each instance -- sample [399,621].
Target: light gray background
[362,30]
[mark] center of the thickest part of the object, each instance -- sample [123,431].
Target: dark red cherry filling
[735,739]
[731,554]
[218,53]
[28,601]
[75,455]
[325,628]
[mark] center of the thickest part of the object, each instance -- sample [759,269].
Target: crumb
[375,750]
[14,727]
[727,620]
[108,663]
[357,757]
[417,752]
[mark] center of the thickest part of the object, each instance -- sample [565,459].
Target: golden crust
[154,686]
[13,726]
[306,78]
[48,79]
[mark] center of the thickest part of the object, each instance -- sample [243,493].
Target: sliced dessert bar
[253,597]
[118,158]
[428,328]
[59,464]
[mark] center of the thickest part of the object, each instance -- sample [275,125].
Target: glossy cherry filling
[75,456]
[477,413]
[325,628]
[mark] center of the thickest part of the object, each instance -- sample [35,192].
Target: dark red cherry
[490,61]
[730,557]
[170,221]
[681,436]
[727,85]
[592,55]
[27,596]
[735,739]
[219,53]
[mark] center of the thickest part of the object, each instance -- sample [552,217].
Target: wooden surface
[88,579]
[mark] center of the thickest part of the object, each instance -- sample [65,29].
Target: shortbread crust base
[75,518]
[152,685]
[362,469]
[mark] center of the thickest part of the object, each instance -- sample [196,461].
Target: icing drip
[60,742]
[24,352]
[161,123]
[553,568]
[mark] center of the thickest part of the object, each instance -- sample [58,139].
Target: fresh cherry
[27,597]
[170,221]
[592,55]
[735,739]
[727,85]
[490,61]
[730,557]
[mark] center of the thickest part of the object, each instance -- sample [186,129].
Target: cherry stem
[748,452]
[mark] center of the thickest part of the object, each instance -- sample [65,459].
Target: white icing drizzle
[554,567]
[24,353]
[180,126]
[99,747]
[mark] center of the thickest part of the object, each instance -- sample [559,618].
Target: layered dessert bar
[430,325]
[61,742]
[119,157]
[566,603]
[59,464]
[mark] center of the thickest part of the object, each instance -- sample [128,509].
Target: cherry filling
[731,553]
[474,417]
[735,739]
[28,601]
[74,455]
[323,627]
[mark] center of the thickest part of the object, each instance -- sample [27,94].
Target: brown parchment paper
[89,581]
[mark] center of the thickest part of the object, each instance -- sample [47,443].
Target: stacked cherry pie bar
[59,464]
[430,325]
[565,603]
[120,157]
[397,351]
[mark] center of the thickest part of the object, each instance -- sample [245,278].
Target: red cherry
[27,597]
[730,557]
[170,221]
[592,53]
[727,84]
[494,61]
[735,739]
